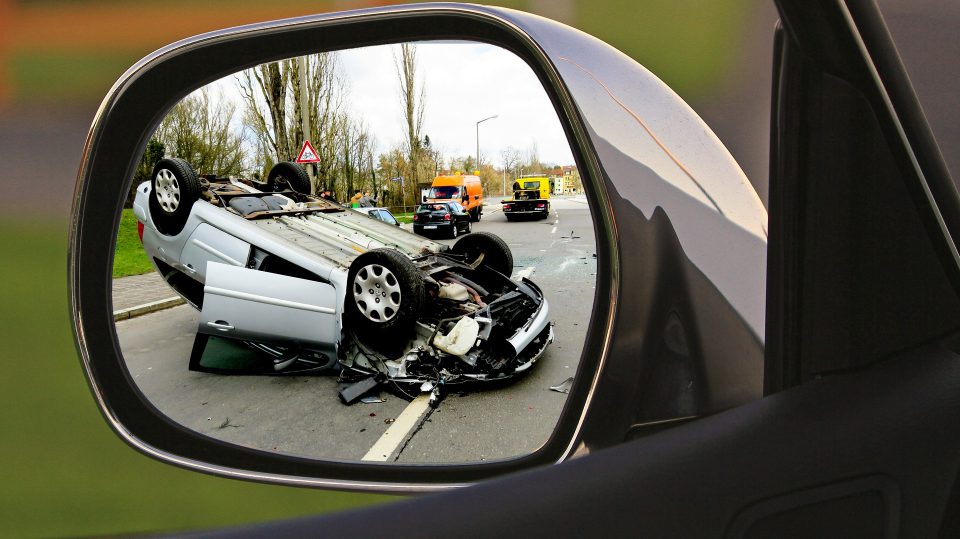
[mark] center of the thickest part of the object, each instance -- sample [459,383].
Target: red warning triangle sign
[308,154]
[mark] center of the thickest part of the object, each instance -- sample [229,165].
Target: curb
[147,308]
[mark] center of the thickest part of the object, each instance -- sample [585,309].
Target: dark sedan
[448,219]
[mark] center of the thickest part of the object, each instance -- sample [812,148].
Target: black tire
[496,253]
[475,214]
[174,188]
[387,326]
[469,228]
[288,174]
[454,231]
[508,216]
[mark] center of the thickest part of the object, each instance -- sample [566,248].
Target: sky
[463,82]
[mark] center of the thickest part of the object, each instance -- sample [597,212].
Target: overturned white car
[310,286]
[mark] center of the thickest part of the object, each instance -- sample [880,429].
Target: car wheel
[454,231]
[508,216]
[469,228]
[174,188]
[384,297]
[491,251]
[288,174]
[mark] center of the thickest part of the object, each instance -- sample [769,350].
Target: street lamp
[478,136]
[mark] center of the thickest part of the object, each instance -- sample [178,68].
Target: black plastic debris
[563,387]
[352,392]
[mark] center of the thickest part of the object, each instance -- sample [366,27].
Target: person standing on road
[367,201]
[355,199]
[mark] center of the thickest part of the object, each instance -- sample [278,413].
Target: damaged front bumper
[541,319]
[436,360]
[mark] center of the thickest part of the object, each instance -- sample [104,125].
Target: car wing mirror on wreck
[256,312]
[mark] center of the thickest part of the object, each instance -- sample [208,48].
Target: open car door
[258,306]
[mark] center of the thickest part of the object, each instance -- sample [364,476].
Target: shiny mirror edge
[491,25]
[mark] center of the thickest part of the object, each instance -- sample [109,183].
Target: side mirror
[653,314]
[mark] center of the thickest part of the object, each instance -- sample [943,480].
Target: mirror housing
[669,206]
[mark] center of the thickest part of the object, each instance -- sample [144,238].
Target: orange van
[462,188]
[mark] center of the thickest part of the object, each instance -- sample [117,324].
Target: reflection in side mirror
[418,344]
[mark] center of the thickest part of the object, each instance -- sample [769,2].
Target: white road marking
[400,429]
[554,231]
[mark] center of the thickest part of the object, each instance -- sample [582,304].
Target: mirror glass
[381,254]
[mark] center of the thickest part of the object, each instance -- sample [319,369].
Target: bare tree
[466,164]
[198,129]
[272,109]
[509,161]
[356,159]
[412,103]
[533,163]
[391,166]
[264,90]
[433,155]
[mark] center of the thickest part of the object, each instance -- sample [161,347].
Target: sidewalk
[142,294]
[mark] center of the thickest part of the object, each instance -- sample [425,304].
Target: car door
[459,215]
[259,306]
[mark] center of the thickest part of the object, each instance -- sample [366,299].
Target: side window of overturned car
[257,305]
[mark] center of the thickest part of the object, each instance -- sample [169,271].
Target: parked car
[380,214]
[287,272]
[448,219]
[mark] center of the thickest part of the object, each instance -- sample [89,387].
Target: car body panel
[208,244]
[265,307]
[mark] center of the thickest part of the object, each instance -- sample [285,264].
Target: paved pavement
[138,290]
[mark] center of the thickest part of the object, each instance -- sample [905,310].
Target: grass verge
[129,257]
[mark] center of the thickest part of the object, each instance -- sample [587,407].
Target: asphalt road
[302,415]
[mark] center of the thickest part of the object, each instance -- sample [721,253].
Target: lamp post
[478,136]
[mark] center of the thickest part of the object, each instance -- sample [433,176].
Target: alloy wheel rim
[168,190]
[376,292]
